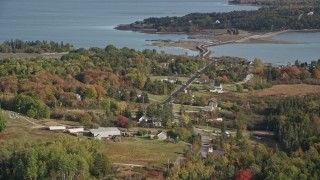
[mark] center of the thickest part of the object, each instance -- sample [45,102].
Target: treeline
[301,72]
[19,46]
[32,106]
[264,19]
[276,2]
[65,158]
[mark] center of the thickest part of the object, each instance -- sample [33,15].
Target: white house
[105,132]
[76,130]
[217,22]
[310,13]
[248,78]
[217,87]
[78,97]
[143,118]
[219,119]
[57,128]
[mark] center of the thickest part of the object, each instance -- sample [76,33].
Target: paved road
[186,85]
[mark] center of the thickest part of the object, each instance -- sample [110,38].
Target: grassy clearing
[18,128]
[142,150]
[176,107]
[157,97]
[202,93]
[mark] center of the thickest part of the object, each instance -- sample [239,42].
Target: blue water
[87,23]
[306,49]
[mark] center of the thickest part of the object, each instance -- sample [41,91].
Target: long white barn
[105,132]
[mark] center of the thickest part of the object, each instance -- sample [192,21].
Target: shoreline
[250,38]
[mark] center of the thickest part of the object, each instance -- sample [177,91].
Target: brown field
[289,89]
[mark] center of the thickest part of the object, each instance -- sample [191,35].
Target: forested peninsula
[266,19]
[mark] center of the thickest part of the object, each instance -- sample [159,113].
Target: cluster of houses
[172,81]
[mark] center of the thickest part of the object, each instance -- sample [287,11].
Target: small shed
[105,132]
[57,128]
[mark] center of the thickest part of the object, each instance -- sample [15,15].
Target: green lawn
[157,97]
[202,93]
[176,107]
[143,151]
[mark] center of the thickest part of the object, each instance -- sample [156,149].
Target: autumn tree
[122,121]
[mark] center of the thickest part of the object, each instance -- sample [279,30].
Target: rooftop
[104,129]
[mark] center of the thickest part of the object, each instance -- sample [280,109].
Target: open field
[158,98]
[24,128]
[176,107]
[289,89]
[143,151]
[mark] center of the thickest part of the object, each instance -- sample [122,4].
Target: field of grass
[176,107]
[21,128]
[202,93]
[157,97]
[143,151]
[289,90]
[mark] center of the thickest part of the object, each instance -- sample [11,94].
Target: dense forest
[65,158]
[19,46]
[297,122]
[264,19]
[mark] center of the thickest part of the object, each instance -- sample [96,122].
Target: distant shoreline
[251,38]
